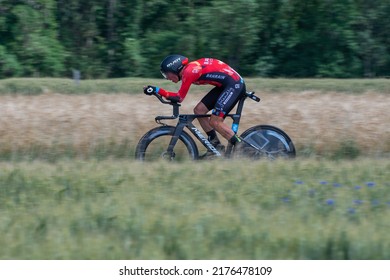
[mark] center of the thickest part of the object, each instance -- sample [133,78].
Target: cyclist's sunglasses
[164,74]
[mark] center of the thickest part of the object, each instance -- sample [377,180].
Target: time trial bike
[174,143]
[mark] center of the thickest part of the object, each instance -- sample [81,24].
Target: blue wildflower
[358,201]
[286,199]
[357,187]
[370,184]
[351,210]
[336,185]
[323,182]
[299,182]
[330,201]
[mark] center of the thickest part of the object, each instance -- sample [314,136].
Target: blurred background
[263,38]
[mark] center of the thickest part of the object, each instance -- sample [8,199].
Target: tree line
[121,38]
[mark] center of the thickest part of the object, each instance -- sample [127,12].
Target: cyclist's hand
[149,90]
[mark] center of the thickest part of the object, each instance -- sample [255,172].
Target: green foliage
[269,38]
[209,210]
[9,65]
[312,38]
[30,35]
[231,28]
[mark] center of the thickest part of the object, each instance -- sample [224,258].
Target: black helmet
[173,63]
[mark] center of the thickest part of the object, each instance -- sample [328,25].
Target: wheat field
[318,123]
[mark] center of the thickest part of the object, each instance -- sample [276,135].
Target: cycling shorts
[223,99]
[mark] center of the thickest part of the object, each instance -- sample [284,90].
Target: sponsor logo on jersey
[215,76]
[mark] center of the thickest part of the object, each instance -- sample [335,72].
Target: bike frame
[185,120]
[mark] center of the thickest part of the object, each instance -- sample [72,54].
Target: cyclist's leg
[225,103]
[203,107]
[217,123]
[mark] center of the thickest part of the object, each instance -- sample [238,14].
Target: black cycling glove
[149,90]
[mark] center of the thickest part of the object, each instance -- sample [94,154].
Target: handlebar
[173,101]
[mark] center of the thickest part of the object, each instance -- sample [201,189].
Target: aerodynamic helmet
[173,63]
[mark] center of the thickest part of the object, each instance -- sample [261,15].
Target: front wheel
[265,141]
[154,145]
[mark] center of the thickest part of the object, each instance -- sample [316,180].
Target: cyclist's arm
[181,93]
[190,75]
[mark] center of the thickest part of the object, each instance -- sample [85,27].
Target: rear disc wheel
[265,141]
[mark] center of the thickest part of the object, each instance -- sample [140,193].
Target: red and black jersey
[204,71]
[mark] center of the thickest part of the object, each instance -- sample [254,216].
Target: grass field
[70,189]
[306,209]
[36,86]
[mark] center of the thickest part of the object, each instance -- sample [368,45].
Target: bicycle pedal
[220,148]
[210,155]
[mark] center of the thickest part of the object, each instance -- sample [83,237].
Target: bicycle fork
[175,137]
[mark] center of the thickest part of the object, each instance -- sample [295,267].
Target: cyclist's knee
[200,108]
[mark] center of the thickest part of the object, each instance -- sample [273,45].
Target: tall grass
[34,86]
[302,209]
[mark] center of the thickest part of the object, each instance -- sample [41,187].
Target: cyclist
[229,88]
